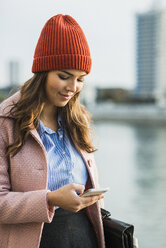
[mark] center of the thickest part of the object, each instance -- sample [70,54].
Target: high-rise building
[151,53]
[13,72]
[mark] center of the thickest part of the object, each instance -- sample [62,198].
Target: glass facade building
[151,53]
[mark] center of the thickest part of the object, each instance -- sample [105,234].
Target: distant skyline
[109,26]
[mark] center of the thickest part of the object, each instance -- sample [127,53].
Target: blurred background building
[13,73]
[151,54]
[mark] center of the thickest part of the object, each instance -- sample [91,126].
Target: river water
[131,161]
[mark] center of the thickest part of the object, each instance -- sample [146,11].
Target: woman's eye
[65,78]
[81,80]
[62,77]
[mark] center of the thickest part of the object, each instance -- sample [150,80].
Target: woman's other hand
[67,198]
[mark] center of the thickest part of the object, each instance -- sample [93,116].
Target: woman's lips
[66,97]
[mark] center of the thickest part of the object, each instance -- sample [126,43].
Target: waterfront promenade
[131,113]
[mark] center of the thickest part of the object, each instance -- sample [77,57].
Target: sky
[109,26]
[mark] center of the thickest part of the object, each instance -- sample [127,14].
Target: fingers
[78,187]
[87,201]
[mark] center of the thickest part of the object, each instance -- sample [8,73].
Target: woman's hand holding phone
[67,198]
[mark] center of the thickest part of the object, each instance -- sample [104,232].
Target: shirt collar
[42,128]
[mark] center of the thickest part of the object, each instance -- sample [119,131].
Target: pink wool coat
[23,188]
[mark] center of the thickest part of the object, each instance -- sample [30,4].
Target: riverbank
[130,113]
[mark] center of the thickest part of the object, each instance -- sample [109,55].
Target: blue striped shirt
[65,164]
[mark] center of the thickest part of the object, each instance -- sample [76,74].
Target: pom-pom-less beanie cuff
[65,61]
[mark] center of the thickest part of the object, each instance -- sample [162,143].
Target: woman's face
[62,85]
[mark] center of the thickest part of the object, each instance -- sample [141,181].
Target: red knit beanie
[62,45]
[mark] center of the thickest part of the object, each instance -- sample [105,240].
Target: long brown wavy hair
[28,109]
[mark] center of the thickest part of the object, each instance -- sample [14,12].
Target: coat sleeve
[19,207]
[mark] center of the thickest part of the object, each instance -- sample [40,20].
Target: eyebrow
[72,74]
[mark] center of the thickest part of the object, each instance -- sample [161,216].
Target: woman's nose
[72,85]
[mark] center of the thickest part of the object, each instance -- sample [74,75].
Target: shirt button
[61,136]
[63,153]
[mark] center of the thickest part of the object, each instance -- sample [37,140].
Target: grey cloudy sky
[109,26]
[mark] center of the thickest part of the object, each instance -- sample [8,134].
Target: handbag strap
[105,213]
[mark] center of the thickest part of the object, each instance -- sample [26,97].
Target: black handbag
[117,234]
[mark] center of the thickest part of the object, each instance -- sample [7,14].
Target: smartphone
[93,192]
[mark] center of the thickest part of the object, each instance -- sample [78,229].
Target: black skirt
[68,230]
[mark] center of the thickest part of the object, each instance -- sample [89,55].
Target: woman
[46,155]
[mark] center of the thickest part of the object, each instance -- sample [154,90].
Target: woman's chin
[60,105]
